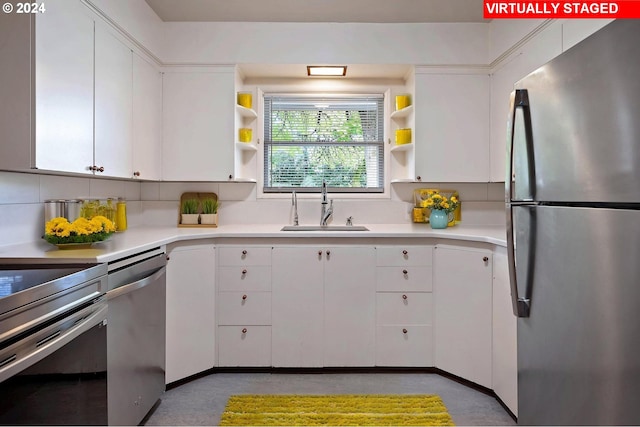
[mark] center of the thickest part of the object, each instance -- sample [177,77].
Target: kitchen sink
[324,228]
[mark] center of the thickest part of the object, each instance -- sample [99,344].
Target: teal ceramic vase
[438,218]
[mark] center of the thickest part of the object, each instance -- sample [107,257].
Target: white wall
[331,43]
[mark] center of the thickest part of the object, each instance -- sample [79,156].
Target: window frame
[347,192]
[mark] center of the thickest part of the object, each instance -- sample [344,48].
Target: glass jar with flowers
[441,208]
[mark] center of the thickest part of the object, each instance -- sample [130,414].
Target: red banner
[495,9]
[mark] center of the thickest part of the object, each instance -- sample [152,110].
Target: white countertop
[139,239]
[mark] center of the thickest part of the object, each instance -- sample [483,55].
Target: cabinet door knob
[230,176]
[244,330]
[319,253]
[404,331]
[136,173]
[418,178]
[244,271]
[485,259]
[405,272]
[100,169]
[328,253]
[404,297]
[244,297]
[405,252]
[244,252]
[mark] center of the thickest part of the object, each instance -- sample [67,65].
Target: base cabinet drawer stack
[404,306]
[244,306]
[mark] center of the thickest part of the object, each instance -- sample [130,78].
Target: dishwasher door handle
[130,287]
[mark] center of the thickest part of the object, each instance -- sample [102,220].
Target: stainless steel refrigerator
[573,220]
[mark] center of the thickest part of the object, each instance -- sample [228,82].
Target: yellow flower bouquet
[437,201]
[59,231]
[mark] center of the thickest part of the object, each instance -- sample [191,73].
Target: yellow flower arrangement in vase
[441,208]
[59,231]
[440,202]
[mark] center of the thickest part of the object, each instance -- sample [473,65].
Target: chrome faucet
[325,213]
[294,203]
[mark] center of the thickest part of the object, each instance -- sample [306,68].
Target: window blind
[311,139]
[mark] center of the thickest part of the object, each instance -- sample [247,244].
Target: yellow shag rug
[336,410]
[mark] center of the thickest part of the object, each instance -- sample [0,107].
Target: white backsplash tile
[173,190]
[150,191]
[103,188]
[21,223]
[467,191]
[239,191]
[132,190]
[63,187]
[496,191]
[483,213]
[19,188]
[154,213]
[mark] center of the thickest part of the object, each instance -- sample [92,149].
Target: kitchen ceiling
[373,11]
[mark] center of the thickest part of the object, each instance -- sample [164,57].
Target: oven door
[57,374]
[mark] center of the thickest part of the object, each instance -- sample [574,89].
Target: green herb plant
[210,206]
[190,206]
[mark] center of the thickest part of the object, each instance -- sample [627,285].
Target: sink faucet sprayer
[325,213]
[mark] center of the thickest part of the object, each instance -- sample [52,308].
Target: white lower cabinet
[463,312]
[297,304]
[244,345]
[505,335]
[244,306]
[323,306]
[349,306]
[190,310]
[404,306]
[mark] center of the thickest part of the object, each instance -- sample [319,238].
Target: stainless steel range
[53,344]
[60,362]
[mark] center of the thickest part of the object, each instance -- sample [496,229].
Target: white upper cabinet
[147,120]
[64,66]
[113,105]
[539,50]
[451,127]
[198,125]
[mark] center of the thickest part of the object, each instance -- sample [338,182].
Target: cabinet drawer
[403,255]
[398,308]
[409,345]
[244,345]
[241,255]
[247,278]
[407,278]
[244,308]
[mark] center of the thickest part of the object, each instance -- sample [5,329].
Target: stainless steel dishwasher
[136,298]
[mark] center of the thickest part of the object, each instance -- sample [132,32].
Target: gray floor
[201,401]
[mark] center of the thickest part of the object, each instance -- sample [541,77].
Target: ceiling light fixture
[326,70]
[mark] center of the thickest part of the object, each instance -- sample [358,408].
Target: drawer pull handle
[244,330]
[328,253]
[404,331]
[405,272]
[405,253]
[244,272]
[319,253]
[404,297]
[244,252]
[244,297]
[485,259]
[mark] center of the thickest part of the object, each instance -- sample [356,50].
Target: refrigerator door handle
[520,305]
[520,154]
[519,99]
